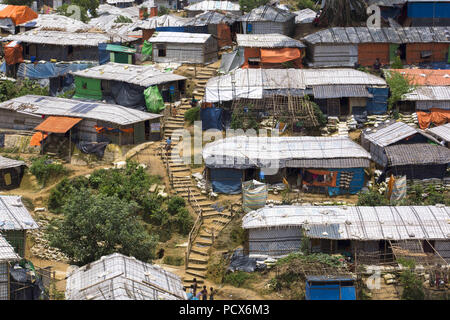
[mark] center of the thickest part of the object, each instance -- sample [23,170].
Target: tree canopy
[249,5]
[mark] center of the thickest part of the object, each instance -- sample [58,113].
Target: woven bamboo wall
[413,52]
[369,52]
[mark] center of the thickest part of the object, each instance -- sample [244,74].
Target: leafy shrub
[10,89]
[163,10]
[174,204]
[238,278]
[183,221]
[173,261]
[192,115]
[248,5]
[216,268]
[123,19]
[307,4]
[64,190]
[45,169]
[412,284]
[372,198]
[397,63]
[399,86]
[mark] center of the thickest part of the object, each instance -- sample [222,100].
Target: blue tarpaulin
[48,69]
[103,54]
[429,9]
[226,181]
[211,118]
[378,103]
[356,184]
[189,29]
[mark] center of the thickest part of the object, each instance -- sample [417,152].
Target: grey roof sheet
[351,35]
[339,91]
[7,252]
[417,154]
[357,223]
[87,39]
[141,75]
[245,152]
[211,17]
[57,21]
[118,277]
[166,20]
[305,16]
[208,5]
[428,93]
[179,37]
[10,163]
[390,134]
[443,132]
[271,40]
[14,215]
[268,13]
[52,106]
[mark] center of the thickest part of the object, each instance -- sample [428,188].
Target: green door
[121,57]
[393,52]
[139,133]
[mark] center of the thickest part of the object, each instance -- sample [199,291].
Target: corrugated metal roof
[428,93]
[424,77]
[417,154]
[52,106]
[339,91]
[118,277]
[443,132]
[59,38]
[245,152]
[251,83]
[357,223]
[211,17]
[305,16]
[390,134]
[6,163]
[7,252]
[14,215]
[208,5]
[141,75]
[267,13]
[272,40]
[380,35]
[56,21]
[179,37]
[166,20]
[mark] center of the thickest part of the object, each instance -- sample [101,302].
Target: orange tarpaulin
[37,138]
[436,116]
[18,14]
[280,55]
[13,53]
[250,53]
[223,35]
[331,183]
[57,124]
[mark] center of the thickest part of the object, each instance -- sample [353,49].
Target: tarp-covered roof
[56,21]
[52,106]
[357,223]
[305,16]
[7,252]
[267,13]
[14,215]
[208,5]
[60,38]
[278,152]
[18,14]
[141,75]
[272,40]
[179,37]
[118,277]
[417,154]
[351,35]
[442,132]
[211,17]
[57,124]
[166,20]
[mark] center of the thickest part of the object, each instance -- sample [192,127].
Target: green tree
[307,4]
[397,63]
[372,198]
[183,221]
[249,5]
[175,203]
[90,5]
[10,89]
[399,86]
[412,284]
[163,10]
[98,225]
[123,19]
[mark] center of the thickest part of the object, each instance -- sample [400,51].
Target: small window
[85,85]
[254,62]
[7,178]
[161,52]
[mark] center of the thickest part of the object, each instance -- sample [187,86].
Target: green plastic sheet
[147,48]
[153,100]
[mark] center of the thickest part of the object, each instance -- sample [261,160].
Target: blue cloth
[49,69]
[190,295]
[211,118]
[356,184]
[378,103]
[226,181]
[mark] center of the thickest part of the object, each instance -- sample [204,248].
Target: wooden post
[70,145]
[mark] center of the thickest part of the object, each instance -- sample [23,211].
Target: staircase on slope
[203,74]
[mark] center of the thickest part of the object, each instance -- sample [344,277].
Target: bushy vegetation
[249,5]
[123,19]
[238,278]
[95,225]
[307,4]
[45,169]
[372,198]
[397,63]
[411,282]
[173,260]
[10,89]
[192,115]
[399,86]
[163,10]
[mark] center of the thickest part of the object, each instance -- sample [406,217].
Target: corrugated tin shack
[270,50]
[78,121]
[347,47]
[15,221]
[7,256]
[11,173]
[125,84]
[277,231]
[165,22]
[268,19]
[182,47]
[332,165]
[118,277]
[442,133]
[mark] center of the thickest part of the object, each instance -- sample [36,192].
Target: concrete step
[203,241]
[189,280]
[196,273]
[221,220]
[198,258]
[200,267]
[200,250]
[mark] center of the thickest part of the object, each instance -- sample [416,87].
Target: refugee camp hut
[208,5]
[120,54]
[165,22]
[183,47]
[332,165]
[60,121]
[417,161]
[7,257]
[11,173]
[338,92]
[118,277]
[12,16]
[270,51]
[442,133]
[54,22]
[427,13]
[15,221]
[330,287]
[61,46]
[125,84]
[375,140]
[348,47]
[353,230]
[304,21]
[268,19]
[221,25]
